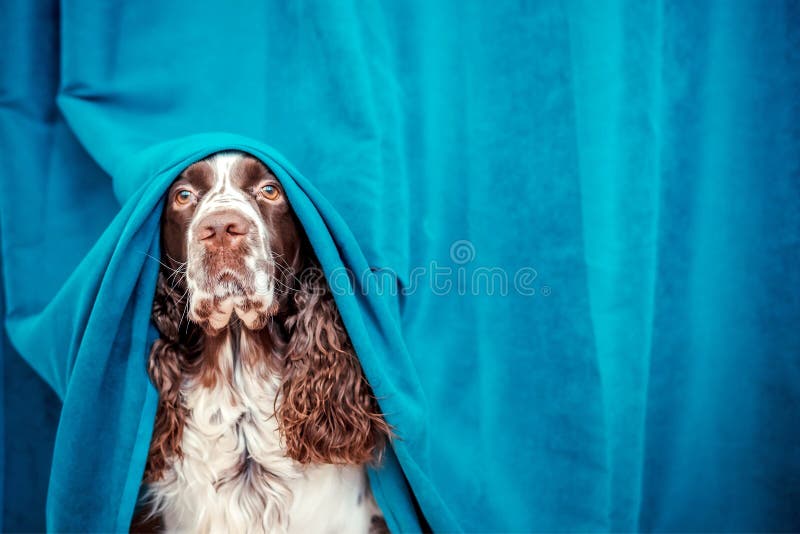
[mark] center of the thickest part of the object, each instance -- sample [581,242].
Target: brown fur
[328,413]
[169,362]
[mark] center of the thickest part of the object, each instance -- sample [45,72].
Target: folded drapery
[564,237]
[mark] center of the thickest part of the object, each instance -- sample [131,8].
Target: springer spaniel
[265,419]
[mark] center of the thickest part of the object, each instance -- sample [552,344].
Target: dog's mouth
[215,299]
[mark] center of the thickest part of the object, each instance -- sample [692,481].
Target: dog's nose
[222,229]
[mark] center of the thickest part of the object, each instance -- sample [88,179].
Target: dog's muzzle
[228,272]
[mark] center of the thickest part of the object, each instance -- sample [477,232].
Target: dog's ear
[327,413]
[168,361]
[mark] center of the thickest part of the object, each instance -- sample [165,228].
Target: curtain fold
[570,228]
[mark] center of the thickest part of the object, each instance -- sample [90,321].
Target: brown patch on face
[249,171]
[176,219]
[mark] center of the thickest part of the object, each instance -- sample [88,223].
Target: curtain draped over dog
[564,237]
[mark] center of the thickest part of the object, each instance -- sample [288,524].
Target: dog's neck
[236,348]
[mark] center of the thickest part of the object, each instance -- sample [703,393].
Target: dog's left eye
[270,192]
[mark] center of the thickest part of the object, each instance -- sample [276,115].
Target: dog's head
[227,221]
[233,247]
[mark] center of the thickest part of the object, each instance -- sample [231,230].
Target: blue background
[642,157]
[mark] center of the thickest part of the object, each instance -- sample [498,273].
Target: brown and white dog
[265,419]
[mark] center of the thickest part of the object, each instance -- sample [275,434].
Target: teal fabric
[630,169]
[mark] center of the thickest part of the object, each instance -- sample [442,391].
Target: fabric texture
[563,237]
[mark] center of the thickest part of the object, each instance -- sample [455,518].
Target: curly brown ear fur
[169,359]
[328,413]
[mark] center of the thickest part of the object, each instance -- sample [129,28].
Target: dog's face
[228,221]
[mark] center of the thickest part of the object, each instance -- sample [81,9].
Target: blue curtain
[569,233]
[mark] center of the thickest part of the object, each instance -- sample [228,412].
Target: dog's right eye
[183,197]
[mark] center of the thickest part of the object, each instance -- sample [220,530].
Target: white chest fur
[234,475]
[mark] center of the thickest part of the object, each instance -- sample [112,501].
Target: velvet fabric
[563,236]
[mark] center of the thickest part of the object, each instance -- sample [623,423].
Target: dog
[265,420]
